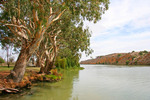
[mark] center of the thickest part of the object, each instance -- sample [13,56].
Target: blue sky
[124,27]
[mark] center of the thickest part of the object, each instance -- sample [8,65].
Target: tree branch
[20,26]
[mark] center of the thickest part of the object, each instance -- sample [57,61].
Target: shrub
[61,63]
[135,62]
[118,55]
[2,60]
[116,62]
[145,51]
[127,62]
[141,53]
[133,57]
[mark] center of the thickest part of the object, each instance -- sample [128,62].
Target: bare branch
[36,16]
[14,20]
[51,20]
[20,26]
[59,15]
[22,35]
[51,11]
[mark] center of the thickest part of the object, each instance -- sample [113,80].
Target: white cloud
[123,28]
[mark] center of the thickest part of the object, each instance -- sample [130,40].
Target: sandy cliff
[132,58]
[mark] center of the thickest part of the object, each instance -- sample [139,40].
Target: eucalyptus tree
[64,33]
[68,32]
[28,20]
[76,42]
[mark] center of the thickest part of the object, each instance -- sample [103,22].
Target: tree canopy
[27,22]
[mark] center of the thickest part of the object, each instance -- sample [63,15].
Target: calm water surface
[95,82]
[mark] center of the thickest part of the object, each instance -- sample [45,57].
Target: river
[95,82]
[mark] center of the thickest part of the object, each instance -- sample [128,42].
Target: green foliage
[116,62]
[66,63]
[141,53]
[2,60]
[135,62]
[53,77]
[5,68]
[61,63]
[145,51]
[118,55]
[75,37]
[127,62]
[133,57]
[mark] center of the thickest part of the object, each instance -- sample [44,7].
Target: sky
[125,27]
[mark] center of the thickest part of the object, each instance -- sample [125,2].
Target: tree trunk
[50,60]
[49,65]
[38,62]
[8,65]
[18,72]
[41,65]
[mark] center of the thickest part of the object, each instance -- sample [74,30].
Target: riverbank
[7,86]
[31,76]
[131,58]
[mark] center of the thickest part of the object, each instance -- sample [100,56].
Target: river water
[95,82]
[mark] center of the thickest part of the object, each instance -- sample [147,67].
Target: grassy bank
[5,68]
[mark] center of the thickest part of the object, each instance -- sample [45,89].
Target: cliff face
[133,58]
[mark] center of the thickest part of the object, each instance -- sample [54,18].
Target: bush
[116,62]
[135,62]
[118,55]
[127,62]
[133,57]
[145,51]
[2,60]
[141,53]
[61,63]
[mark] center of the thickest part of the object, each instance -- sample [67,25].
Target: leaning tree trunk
[26,51]
[38,62]
[50,61]
[18,72]
[41,63]
[49,65]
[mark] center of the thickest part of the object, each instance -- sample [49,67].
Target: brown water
[95,82]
